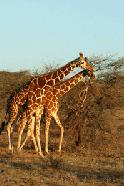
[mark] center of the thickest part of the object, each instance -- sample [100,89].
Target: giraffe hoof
[58,152]
[41,155]
[36,149]
[11,149]
[18,149]
[46,153]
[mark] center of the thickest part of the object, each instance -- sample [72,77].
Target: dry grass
[72,168]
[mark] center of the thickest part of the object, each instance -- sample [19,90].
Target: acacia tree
[107,65]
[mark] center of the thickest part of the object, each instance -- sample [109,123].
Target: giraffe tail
[3,124]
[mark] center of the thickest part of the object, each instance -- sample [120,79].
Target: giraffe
[37,84]
[35,97]
[50,102]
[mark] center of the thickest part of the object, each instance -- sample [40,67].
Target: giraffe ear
[86,59]
[81,55]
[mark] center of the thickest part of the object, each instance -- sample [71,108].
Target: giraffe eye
[81,62]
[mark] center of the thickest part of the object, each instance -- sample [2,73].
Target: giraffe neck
[55,77]
[65,86]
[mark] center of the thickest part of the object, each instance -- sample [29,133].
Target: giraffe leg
[48,119]
[38,118]
[33,138]
[9,132]
[62,131]
[21,129]
[30,133]
[12,118]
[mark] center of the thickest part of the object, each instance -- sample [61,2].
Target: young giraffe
[34,87]
[50,102]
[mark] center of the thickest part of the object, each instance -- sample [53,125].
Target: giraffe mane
[55,69]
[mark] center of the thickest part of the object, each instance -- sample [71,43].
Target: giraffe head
[84,63]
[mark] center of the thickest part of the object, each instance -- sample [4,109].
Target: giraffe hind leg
[9,131]
[12,117]
[21,129]
[30,133]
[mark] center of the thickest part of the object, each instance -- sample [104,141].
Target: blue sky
[37,32]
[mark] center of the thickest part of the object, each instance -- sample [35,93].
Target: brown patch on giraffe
[66,72]
[43,99]
[56,80]
[39,100]
[54,91]
[30,111]
[76,81]
[34,106]
[34,81]
[66,89]
[71,85]
[48,76]
[57,94]
[17,99]
[34,98]
[62,92]
[50,104]
[48,88]
[49,96]
[67,83]
[62,86]
[22,100]
[55,74]
[62,76]
[50,82]
[38,92]
[70,68]
[41,92]
[29,93]
[41,81]
[59,73]
[54,98]
[55,105]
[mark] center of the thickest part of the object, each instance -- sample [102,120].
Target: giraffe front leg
[48,118]
[38,139]
[38,118]
[62,131]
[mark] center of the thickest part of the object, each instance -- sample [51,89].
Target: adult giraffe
[50,101]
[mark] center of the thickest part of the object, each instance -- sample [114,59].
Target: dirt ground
[71,168]
[93,147]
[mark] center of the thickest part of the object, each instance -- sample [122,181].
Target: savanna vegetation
[93,148]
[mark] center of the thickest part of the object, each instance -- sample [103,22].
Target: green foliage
[85,72]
